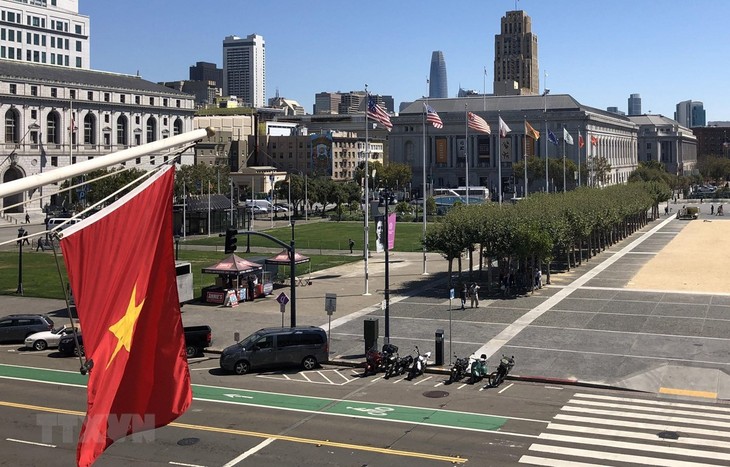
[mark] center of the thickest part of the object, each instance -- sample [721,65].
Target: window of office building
[152,101]
[137,100]
[54,92]
[53,59]
[151,129]
[89,129]
[73,94]
[13,88]
[11,126]
[2,51]
[34,90]
[78,28]
[36,39]
[78,62]
[107,97]
[36,56]
[122,98]
[78,46]
[52,125]
[33,114]
[177,127]
[90,95]
[122,137]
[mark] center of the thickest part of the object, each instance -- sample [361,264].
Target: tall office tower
[634,104]
[690,114]
[204,71]
[516,68]
[437,85]
[327,102]
[44,31]
[244,69]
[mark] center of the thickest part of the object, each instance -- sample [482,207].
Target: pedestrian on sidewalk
[352,245]
[474,294]
[27,218]
[712,209]
[463,295]
[538,278]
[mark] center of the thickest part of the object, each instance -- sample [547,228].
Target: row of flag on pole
[475,122]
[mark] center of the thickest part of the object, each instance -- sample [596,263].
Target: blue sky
[597,51]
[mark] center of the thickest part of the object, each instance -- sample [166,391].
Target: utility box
[370,333]
[439,347]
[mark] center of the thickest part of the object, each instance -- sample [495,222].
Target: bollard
[370,333]
[439,347]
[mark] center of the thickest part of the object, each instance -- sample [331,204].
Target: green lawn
[40,275]
[327,235]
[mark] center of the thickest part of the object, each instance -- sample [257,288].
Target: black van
[304,346]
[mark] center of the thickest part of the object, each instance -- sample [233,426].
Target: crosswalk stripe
[642,425]
[654,448]
[643,416]
[683,405]
[544,461]
[664,410]
[614,456]
[639,435]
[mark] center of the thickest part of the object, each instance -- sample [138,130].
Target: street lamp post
[21,235]
[177,247]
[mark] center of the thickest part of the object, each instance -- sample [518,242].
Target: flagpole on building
[579,156]
[72,130]
[524,146]
[547,178]
[499,158]
[466,150]
[367,193]
[564,180]
[423,194]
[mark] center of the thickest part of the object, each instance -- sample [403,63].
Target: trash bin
[370,333]
[439,347]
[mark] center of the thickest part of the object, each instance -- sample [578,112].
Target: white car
[45,339]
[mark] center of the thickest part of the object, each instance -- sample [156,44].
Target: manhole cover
[668,435]
[188,441]
[435,394]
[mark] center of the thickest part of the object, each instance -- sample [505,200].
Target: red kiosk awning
[283,259]
[233,266]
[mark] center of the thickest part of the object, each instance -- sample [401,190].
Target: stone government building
[111,112]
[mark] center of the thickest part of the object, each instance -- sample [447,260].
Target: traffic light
[231,240]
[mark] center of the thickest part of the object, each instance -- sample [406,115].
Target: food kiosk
[246,278]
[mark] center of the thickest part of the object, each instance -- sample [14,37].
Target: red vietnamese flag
[122,271]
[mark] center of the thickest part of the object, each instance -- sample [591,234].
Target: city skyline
[599,56]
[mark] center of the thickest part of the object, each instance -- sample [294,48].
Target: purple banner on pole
[391,230]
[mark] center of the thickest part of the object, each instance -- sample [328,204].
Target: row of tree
[544,229]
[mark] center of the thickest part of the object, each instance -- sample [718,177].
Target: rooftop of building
[81,77]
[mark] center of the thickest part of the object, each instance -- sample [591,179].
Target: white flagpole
[367,194]
[425,271]
[578,156]
[563,165]
[499,156]
[466,150]
[209,208]
[185,205]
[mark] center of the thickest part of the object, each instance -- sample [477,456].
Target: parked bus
[480,192]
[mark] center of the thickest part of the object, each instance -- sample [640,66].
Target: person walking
[474,294]
[462,295]
[538,278]
[712,209]
[352,245]
[27,218]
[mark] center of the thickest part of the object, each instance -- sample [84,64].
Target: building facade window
[151,129]
[89,129]
[52,125]
[177,127]
[122,130]
[11,126]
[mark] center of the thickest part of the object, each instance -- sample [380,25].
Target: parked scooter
[402,365]
[505,366]
[373,361]
[458,369]
[478,369]
[390,358]
[419,364]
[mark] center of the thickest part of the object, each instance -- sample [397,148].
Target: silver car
[45,339]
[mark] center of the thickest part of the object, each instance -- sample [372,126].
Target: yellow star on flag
[124,328]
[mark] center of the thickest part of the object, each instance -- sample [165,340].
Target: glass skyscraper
[437,87]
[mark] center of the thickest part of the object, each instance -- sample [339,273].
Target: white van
[262,205]
[54,222]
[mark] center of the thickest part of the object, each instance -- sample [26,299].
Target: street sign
[282,299]
[330,303]
[451,294]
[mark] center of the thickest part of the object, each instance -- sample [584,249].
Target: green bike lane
[291,402]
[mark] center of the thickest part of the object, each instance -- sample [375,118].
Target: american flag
[432,117]
[477,123]
[378,114]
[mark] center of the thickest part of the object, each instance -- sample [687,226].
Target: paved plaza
[652,313]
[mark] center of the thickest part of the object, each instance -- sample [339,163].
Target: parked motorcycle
[458,369]
[373,361]
[478,369]
[390,359]
[419,364]
[505,366]
[402,365]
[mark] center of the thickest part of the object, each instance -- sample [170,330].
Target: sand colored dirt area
[694,260]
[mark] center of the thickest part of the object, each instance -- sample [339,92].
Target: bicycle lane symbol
[373,411]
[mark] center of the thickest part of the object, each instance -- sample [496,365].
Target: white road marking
[250,452]
[510,385]
[423,380]
[185,465]
[716,408]
[612,456]
[648,426]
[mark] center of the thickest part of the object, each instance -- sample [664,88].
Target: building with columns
[615,137]
[56,116]
[664,140]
